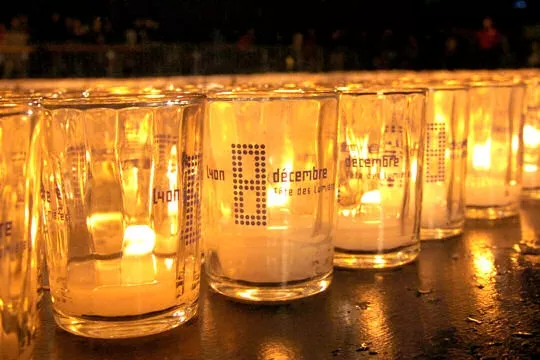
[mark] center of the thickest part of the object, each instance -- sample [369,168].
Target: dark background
[194,20]
[204,37]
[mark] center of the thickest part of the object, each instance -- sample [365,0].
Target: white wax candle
[293,246]
[356,235]
[138,283]
[485,185]
[375,226]
[96,288]
[434,206]
[482,191]
[137,264]
[273,254]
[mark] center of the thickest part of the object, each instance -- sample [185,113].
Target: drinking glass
[445,161]
[495,149]
[19,174]
[531,141]
[269,192]
[121,186]
[381,145]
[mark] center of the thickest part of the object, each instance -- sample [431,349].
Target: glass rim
[100,98]
[264,92]
[447,87]
[18,101]
[502,83]
[12,108]
[7,95]
[382,90]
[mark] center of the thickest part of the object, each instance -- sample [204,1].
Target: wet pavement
[472,297]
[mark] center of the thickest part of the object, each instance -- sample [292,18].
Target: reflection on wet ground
[474,296]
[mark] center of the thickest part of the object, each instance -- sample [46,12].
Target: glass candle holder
[380,177]
[121,186]
[19,174]
[531,155]
[32,98]
[445,162]
[495,150]
[270,171]
[531,141]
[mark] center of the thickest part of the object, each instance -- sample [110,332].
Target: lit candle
[486,184]
[375,226]
[531,141]
[434,206]
[287,249]
[137,283]
[138,264]
[270,164]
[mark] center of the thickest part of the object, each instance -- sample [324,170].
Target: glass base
[125,327]
[439,234]
[272,293]
[532,194]
[491,212]
[370,260]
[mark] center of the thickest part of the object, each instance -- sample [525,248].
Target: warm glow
[515,143]
[531,136]
[172,207]
[139,240]
[379,261]
[483,263]
[278,349]
[530,168]
[414,170]
[440,118]
[103,217]
[347,212]
[482,156]
[225,210]
[371,197]
[120,90]
[169,262]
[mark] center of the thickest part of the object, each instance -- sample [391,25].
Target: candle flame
[531,136]
[482,156]
[139,240]
[169,262]
[371,197]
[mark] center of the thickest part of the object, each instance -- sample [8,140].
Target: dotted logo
[393,148]
[435,149]
[241,184]
[77,155]
[393,135]
[191,228]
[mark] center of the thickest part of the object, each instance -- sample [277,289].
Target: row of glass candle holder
[124,186]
